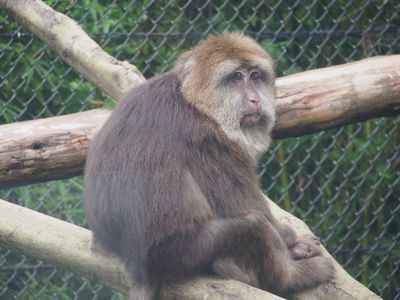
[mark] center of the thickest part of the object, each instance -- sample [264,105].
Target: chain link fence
[344,182]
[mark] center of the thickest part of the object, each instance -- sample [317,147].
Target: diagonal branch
[69,246]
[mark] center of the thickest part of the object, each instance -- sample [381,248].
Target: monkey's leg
[227,267]
[216,240]
[144,286]
[141,292]
[194,252]
[300,247]
[282,274]
[244,253]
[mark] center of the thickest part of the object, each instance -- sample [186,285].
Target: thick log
[75,47]
[54,148]
[339,95]
[69,246]
[47,149]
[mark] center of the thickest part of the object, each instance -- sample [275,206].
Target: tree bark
[47,149]
[325,98]
[55,148]
[69,246]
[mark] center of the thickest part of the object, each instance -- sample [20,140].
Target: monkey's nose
[255,103]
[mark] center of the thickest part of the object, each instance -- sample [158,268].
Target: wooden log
[307,102]
[324,98]
[69,246]
[55,148]
[47,149]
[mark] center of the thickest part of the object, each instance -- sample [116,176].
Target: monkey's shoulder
[155,91]
[159,107]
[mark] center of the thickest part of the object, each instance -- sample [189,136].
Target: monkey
[170,179]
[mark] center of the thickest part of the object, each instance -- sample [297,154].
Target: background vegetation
[345,182]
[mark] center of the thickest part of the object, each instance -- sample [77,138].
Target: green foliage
[343,182]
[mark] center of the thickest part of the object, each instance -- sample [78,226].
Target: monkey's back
[141,162]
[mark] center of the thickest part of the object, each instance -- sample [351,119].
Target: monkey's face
[240,97]
[251,86]
[244,95]
[243,101]
[231,79]
[237,95]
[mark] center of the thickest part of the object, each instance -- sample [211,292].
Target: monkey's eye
[254,75]
[237,76]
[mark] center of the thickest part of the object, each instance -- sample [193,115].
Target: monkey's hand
[306,246]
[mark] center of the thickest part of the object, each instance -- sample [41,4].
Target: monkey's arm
[69,246]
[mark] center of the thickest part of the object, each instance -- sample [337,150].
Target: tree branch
[330,97]
[47,149]
[54,148]
[307,102]
[69,246]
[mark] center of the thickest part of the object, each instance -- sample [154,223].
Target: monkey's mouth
[251,119]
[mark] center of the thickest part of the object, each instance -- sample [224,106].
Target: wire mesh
[344,182]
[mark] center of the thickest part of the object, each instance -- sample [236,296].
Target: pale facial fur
[218,99]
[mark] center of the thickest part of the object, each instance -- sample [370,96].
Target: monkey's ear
[185,64]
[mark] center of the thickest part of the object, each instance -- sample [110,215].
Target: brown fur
[228,46]
[171,185]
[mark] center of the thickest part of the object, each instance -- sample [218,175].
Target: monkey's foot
[306,246]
